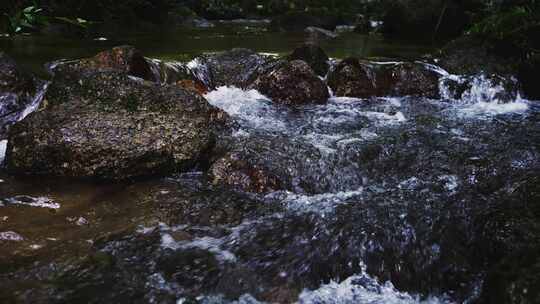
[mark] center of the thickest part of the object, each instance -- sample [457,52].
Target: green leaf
[28,9]
[26,24]
[30,18]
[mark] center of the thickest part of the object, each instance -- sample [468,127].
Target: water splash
[36,101]
[201,71]
[11,236]
[481,94]
[24,200]
[362,289]
[3,147]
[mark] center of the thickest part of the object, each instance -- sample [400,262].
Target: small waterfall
[13,116]
[36,101]
[3,146]
[471,89]
[201,71]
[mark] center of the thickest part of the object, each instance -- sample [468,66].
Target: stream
[388,200]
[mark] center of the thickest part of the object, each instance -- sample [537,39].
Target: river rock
[234,171]
[357,78]
[293,83]
[122,58]
[109,125]
[129,60]
[237,67]
[18,90]
[314,56]
[409,79]
[352,78]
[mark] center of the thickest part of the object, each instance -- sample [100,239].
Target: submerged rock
[18,91]
[317,33]
[298,21]
[108,125]
[357,78]
[314,56]
[293,83]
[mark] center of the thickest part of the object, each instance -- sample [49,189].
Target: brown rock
[293,83]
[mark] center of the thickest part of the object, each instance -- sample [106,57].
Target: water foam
[10,236]
[209,244]
[40,202]
[357,289]
[362,289]
[319,203]
[495,108]
[3,147]
[249,106]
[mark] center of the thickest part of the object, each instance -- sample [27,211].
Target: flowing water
[387,200]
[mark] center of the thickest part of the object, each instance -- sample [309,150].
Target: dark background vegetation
[506,28]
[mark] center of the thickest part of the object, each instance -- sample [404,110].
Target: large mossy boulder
[353,77]
[109,125]
[292,83]
[314,56]
[18,91]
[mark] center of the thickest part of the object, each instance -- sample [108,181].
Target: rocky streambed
[240,177]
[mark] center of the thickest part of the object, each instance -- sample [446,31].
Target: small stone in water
[82,221]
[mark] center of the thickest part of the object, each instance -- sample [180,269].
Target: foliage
[441,19]
[26,19]
[32,18]
[517,26]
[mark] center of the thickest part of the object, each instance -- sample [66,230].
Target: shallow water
[386,200]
